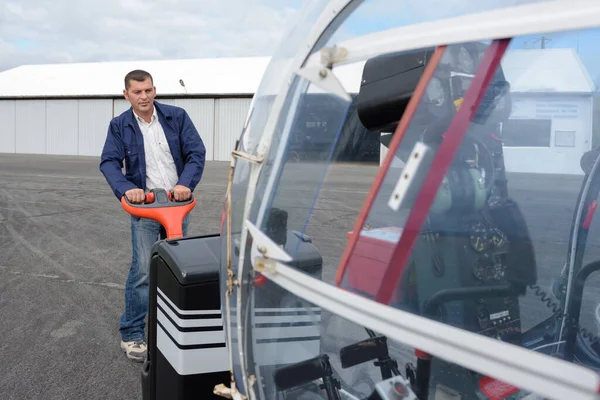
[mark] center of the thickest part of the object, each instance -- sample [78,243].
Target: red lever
[590,215]
[495,389]
[260,280]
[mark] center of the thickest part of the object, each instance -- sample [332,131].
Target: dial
[481,269]
[479,237]
[498,238]
[489,268]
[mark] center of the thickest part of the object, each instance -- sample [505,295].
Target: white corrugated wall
[202,114]
[94,116]
[79,126]
[230,117]
[120,105]
[31,126]
[8,128]
[62,127]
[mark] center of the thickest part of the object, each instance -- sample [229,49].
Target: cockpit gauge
[498,238]
[479,237]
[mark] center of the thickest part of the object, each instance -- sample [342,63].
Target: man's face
[141,95]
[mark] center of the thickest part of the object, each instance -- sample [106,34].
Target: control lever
[370,349]
[161,206]
[304,372]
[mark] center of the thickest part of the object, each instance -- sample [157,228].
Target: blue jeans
[144,233]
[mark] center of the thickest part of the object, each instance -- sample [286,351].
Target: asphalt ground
[65,252]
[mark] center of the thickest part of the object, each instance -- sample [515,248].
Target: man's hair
[137,75]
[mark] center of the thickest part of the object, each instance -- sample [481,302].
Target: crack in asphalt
[58,278]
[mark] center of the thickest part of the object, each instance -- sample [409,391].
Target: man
[161,149]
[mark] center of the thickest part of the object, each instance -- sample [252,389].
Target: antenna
[543,40]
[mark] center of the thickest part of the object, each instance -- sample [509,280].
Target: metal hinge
[228,393]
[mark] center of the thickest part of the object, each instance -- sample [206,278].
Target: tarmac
[65,253]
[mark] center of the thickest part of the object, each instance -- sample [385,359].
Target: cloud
[37,31]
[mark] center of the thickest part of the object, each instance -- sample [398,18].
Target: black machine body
[187,352]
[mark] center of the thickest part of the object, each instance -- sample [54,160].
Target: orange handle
[160,206]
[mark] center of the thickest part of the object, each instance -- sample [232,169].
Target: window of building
[527,132]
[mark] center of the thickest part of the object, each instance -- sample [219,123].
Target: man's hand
[136,196]
[182,193]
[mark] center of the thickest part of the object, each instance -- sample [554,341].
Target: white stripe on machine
[190,323]
[192,361]
[193,337]
[281,336]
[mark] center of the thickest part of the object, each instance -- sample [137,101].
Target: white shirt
[161,171]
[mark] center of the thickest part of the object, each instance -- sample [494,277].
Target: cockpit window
[487,250]
[500,244]
[500,250]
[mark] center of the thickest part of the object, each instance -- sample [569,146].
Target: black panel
[200,296]
[388,82]
[193,286]
[187,272]
[197,259]
[173,386]
[192,259]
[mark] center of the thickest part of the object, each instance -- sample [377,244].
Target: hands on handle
[160,205]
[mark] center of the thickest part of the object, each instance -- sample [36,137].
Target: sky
[584,42]
[62,31]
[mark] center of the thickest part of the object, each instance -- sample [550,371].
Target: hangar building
[65,108]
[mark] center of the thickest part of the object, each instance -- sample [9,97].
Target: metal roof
[210,76]
[546,70]
[531,70]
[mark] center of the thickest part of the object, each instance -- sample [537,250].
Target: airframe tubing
[439,167]
[402,127]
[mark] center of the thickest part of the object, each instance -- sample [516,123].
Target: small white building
[550,126]
[65,108]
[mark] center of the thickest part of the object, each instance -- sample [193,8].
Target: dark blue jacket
[124,141]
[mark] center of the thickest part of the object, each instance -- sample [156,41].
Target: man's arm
[194,153]
[111,162]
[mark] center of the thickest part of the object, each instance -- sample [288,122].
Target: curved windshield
[370,17]
[235,202]
[480,221]
[304,352]
[455,183]
[277,72]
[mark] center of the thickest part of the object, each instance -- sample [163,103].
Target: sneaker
[135,350]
